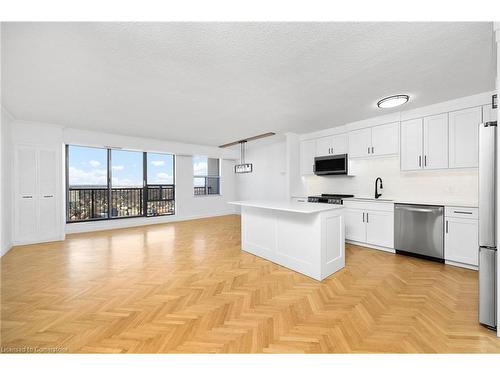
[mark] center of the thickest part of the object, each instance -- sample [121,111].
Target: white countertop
[299,207]
[411,201]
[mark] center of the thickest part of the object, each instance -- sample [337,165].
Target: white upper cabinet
[307,154]
[332,145]
[376,141]
[436,142]
[464,138]
[385,139]
[360,143]
[411,144]
[339,144]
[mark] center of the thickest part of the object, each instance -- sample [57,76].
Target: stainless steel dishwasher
[419,231]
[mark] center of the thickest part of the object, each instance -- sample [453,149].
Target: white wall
[268,179]
[447,186]
[5,184]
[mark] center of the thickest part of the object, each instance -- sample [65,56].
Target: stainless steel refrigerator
[487,224]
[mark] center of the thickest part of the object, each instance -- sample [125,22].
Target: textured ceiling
[211,83]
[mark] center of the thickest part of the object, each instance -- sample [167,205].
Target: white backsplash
[453,186]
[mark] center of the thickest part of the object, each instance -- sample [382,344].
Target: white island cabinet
[305,237]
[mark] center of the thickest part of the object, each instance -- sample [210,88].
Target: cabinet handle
[463,212]
[367,218]
[420,161]
[372,149]
[48,196]
[363,217]
[425,161]
[368,149]
[446,226]
[27,196]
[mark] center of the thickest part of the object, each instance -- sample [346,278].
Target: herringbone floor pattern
[187,287]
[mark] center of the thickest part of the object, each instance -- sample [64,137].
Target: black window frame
[145,196]
[218,177]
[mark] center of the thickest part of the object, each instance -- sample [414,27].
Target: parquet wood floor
[187,287]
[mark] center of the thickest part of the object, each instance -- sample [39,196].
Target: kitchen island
[305,237]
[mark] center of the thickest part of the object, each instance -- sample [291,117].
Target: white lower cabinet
[461,242]
[380,228]
[355,229]
[370,223]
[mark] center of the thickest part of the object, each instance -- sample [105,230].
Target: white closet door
[464,138]
[411,145]
[48,207]
[25,222]
[436,142]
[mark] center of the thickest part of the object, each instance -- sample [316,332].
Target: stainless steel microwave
[330,165]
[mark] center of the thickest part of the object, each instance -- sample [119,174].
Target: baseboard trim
[461,265]
[94,226]
[22,243]
[375,247]
[6,248]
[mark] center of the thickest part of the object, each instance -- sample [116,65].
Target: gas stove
[329,198]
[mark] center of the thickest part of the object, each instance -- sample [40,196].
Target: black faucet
[377,194]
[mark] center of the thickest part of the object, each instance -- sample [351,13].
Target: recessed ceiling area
[213,83]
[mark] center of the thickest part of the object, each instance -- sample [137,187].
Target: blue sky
[87,166]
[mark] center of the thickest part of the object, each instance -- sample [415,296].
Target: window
[206,176]
[109,184]
[87,176]
[160,184]
[127,183]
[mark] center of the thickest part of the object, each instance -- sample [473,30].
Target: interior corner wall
[5,183]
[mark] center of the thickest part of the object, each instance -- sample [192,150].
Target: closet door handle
[27,196]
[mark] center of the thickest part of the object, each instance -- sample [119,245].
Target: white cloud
[118,167]
[158,163]
[163,178]
[200,168]
[92,177]
[94,163]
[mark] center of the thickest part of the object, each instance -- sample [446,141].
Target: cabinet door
[411,145]
[339,144]
[385,139]
[324,146]
[48,215]
[461,242]
[464,138]
[360,142]
[436,142]
[307,154]
[380,228]
[25,215]
[355,229]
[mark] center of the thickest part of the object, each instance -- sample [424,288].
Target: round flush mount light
[393,101]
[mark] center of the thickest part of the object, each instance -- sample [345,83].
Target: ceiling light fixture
[393,101]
